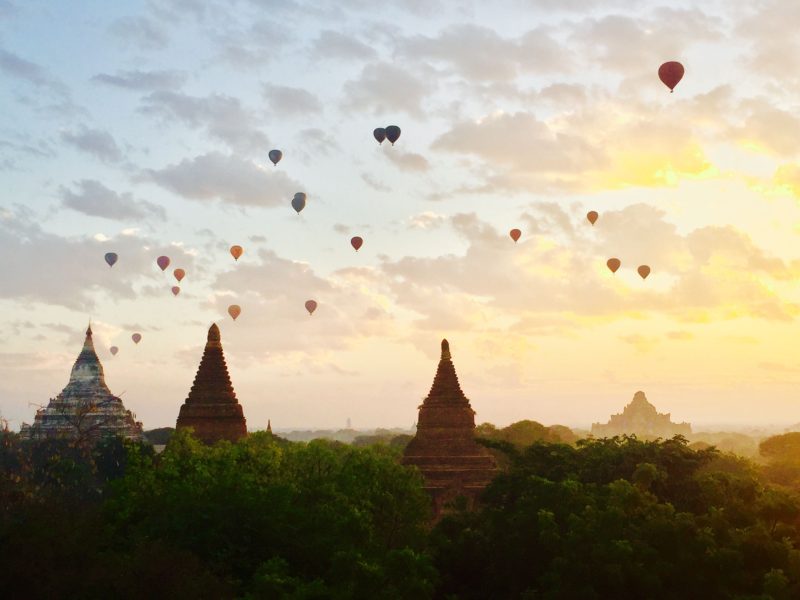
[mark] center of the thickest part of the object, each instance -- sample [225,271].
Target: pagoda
[642,419]
[85,410]
[211,409]
[444,448]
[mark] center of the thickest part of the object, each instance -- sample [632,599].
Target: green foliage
[525,433]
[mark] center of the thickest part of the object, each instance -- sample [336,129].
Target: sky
[143,128]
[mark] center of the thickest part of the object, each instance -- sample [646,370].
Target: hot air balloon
[379,134]
[275,156]
[356,242]
[613,264]
[114,350]
[392,133]
[643,271]
[236,252]
[592,216]
[515,234]
[162,262]
[299,202]
[234,311]
[111,258]
[175,290]
[179,274]
[311,306]
[670,73]
[136,337]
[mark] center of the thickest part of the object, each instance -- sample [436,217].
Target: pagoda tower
[85,410]
[641,418]
[211,409]
[444,447]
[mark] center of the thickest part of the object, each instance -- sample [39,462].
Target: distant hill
[160,436]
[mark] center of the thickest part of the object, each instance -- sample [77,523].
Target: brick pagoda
[211,409]
[444,448]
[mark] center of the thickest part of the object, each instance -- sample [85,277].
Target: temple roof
[445,386]
[212,384]
[87,372]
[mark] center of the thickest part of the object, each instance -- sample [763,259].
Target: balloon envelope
[613,264]
[114,350]
[643,271]
[275,156]
[179,274]
[379,134]
[299,202]
[136,337]
[162,262]
[356,242]
[392,133]
[515,234]
[234,311]
[111,258]
[236,252]
[670,73]
[311,306]
[175,290]
[592,216]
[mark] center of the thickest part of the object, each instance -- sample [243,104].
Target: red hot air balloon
[356,242]
[236,252]
[379,134]
[136,337]
[643,271]
[592,216]
[175,290]
[515,234]
[311,306]
[670,73]
[114,350]
[162,262]
[179,274]
[613,264]
[111,258]
[234,311]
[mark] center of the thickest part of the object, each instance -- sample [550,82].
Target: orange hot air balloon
[670,73]
[311,306]
[136,337]
[613,264]
[643,271]
[236,252]
[179,274]
[356,242]
[114,350]
[175,290]
[592,216]
[234,311]
[515,234]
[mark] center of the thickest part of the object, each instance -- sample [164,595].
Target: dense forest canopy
[268,518]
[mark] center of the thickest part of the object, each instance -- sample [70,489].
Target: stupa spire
[445,386]
[211,408]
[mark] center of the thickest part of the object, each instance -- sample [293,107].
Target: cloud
[289,101]
[372,182]
[140,32]
[94,199]
[406,161]
[383,88]
[228,178]
[143,80]
[479,53]
[221,117]
[426,220]
[97,142]
[332,45]
[17,67]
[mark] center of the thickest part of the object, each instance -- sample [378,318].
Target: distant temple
[444,448]
[641,418]
[85,410]
[211,409]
